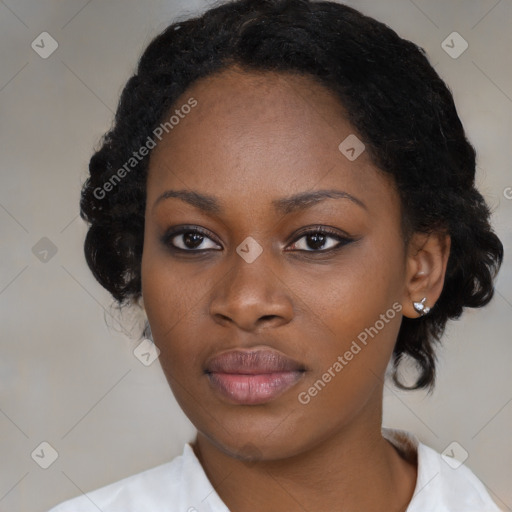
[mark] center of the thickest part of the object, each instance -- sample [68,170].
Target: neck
[354,469]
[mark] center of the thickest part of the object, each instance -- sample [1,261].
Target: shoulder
[147,490]
[454,486]
[443,483]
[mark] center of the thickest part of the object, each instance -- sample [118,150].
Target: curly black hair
[400,107]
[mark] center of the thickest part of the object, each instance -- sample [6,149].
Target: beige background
[69,380]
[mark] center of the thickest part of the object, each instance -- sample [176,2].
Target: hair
[400,107]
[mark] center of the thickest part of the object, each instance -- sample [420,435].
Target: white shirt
[181,485]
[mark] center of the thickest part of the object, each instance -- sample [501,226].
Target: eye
[195,240]
[189,240]
[318,240]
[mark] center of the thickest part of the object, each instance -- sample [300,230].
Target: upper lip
[252,362]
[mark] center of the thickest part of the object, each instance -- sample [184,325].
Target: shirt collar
[196,485]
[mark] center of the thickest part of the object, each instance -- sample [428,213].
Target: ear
[426,261]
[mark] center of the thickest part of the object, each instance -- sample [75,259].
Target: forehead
[238,107]
[255,133]
[264,93]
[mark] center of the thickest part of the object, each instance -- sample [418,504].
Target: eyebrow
[286,205]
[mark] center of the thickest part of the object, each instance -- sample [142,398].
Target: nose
[251,296]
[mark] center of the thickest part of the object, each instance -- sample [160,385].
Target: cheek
[352,293]
[171,298]
[356,305]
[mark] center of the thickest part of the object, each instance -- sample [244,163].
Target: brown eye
[320,240]
[190,240]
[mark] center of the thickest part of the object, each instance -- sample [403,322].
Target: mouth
[253,376]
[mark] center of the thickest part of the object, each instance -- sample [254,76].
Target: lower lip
[253,389]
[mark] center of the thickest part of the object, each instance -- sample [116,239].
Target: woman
[289,195]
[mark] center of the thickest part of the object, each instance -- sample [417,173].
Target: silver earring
[420,307]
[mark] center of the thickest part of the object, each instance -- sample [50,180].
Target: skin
[253,138]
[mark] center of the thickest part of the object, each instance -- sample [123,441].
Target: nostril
[268,317]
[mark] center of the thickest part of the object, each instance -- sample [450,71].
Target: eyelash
[315,230]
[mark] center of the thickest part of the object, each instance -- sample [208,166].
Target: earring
[420,307]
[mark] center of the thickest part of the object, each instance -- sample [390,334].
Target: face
[274,304]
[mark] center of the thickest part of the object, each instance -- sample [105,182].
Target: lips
[253,376]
